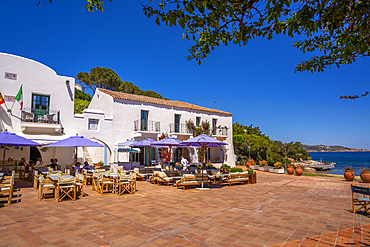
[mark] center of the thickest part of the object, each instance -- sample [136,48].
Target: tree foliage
[108,79]
[82,101]
[262,147]
[338,29]
[100,78]
[90,5]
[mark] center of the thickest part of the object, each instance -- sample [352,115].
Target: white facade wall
[115,116]
[125,112]
[36,79]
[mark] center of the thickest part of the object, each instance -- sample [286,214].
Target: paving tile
[279,210]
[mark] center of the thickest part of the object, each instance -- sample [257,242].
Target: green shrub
[236,169]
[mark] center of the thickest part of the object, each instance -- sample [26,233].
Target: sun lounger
[163,178]
[192,179]
[236,177]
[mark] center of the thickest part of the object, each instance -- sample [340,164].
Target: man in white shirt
[39,162]
[184,163]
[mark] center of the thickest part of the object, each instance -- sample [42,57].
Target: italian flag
[19,97]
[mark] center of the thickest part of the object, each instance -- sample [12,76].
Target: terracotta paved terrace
[279,210]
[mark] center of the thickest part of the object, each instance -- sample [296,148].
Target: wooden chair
[80,178]
[87,177]
[105,184]
[126,183]
[362,202]
[66,188]
[67,171]
[21,173]
[45,183]
[6,187]
[95,185]
[35,179]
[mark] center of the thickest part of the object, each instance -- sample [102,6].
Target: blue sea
[342,159]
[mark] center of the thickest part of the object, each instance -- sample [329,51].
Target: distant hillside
[324,148]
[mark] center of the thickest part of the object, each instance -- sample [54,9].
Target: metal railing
[40,116]
[150,126]
[179,128]
[220,132]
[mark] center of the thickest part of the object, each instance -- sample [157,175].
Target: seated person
[39,162]
[77,167]
[29,165]
[22,163]
[53,164]
[86,166]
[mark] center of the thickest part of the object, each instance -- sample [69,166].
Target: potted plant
[251,163]
[252,176]
[299,170]
[263,166]
[365,174]
[348,173]
[278,168]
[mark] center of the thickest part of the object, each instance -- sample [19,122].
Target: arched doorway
[34,154]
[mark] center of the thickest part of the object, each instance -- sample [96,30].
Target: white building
[112,117]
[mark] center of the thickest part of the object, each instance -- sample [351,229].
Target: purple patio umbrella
[75,141]
[11,139]
[128,143]
[203,141]
[169,142]
[144,143]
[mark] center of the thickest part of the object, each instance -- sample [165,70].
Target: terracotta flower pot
[365,177]
[299,171]
[290,170]
[349,175]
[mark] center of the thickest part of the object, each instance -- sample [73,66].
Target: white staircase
[87,156]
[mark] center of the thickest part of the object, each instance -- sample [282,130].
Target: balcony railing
[180,128]
[40,116]
[150,126]
[220,132]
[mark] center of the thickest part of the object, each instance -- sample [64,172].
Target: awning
[126,150]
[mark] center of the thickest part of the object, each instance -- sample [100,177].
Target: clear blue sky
[256,82]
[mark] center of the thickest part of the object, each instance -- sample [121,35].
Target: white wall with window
[48,103]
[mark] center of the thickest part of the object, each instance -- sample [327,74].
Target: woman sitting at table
[78,167]
[86,166]
[29,165]
[53,164]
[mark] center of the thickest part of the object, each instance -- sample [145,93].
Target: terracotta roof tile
[164,102]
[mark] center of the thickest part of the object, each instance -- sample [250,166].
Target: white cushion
[48,185]
[5,188]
